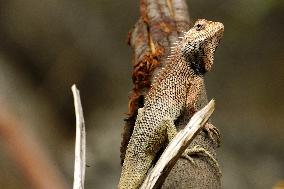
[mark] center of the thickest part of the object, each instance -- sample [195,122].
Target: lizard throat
[195,62]
[197,68]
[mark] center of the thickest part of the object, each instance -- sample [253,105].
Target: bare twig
[80,146]
[177,146]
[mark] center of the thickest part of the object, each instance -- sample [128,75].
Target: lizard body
[177,87]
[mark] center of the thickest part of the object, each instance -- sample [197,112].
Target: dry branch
[80,146]
[177,146]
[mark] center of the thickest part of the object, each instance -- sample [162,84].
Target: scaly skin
[178,86]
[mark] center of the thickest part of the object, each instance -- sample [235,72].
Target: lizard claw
[196,150]
[186,155]
[209,128]
[199,150]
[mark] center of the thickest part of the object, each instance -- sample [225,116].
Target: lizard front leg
[194,94]
[192,105]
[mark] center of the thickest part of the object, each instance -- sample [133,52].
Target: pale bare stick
[80,146]
[180,142]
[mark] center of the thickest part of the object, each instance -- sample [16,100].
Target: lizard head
[200,43]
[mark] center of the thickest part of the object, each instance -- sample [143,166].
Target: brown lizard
[177,87]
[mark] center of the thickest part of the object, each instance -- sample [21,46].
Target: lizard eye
[199,27]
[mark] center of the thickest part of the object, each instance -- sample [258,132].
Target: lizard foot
[186,155]
[199,150]
[209,129]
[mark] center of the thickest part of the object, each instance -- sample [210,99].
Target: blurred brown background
[47,45]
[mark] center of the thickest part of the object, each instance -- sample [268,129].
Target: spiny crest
[175,52]
[175,49]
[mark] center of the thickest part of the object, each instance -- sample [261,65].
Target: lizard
[177,87]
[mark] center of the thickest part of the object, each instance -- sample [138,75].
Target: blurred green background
[47,45]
